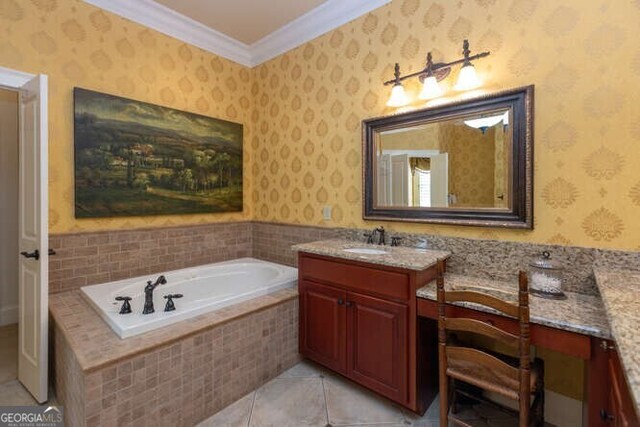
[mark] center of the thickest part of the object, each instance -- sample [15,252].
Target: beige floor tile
[8,353]
[235,415]
[348,403]
[304,369]
[430,417]
[14,394]
[290,402]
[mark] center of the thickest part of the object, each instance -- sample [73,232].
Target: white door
[33,239]
[384,180]
[400,174]
[440,180]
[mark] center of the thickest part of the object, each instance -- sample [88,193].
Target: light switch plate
[326,213]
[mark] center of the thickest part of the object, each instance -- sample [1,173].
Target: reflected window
[424,185]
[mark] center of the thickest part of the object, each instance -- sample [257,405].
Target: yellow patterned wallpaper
[581,56]
[471,164]
[76,44]
[302,110]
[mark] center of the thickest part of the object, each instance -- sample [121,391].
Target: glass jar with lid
[545,277]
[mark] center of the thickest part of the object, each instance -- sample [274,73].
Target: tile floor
[8,353]
[308,395]
[12,393]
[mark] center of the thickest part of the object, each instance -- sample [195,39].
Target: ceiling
[248,32]
[245,20]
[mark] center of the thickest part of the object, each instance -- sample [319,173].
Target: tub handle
[126,307]
[170,306]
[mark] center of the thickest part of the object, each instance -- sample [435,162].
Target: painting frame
[134,158]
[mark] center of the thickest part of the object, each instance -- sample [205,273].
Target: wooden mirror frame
[520,213]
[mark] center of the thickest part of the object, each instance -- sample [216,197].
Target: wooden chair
[482,369]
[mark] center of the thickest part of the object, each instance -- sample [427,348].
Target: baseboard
[8,315]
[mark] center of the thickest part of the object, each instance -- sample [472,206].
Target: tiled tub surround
[273,242]
[174,376]
[89,258]
[620,290]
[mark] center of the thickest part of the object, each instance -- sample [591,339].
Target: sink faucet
[148,294]
[381,233]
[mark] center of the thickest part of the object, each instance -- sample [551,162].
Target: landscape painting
[134,158]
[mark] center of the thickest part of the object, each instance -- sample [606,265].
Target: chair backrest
[479,367]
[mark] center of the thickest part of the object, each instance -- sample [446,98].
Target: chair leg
[444,400]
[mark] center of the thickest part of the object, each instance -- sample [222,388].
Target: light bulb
[467,79]
[398,96]
[430,88]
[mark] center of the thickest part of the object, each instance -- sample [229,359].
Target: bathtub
[205,288]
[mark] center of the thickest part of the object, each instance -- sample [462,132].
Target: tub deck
[96,345]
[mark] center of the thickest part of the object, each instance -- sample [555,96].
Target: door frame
[15,80]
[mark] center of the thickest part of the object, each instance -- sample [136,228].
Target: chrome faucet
[148,294]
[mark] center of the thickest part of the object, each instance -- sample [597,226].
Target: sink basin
[366,251]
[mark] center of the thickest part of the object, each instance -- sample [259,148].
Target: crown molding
[312,24]
[169,22]
[318,21]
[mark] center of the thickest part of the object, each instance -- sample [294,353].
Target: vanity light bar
[432,73]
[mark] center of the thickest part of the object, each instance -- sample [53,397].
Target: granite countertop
[584,314]
[395,256]
[95,345]
[620,290]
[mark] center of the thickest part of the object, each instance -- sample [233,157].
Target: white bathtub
[205,288]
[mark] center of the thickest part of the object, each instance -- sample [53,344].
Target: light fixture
[430,87]
[398,96]
[484,123]
[467,78]
[432,74]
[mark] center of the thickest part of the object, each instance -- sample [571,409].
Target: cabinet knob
[340,301]
[349,304]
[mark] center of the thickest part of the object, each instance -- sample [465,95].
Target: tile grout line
[324,396]
[253,402]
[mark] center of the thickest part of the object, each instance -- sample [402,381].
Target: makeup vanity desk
[577,326]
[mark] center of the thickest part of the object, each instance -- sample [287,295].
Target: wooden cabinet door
[323,325]
[621,404]
[377,345]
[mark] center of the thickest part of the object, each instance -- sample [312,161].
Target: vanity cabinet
[360,320]
[322,330]
[621,409]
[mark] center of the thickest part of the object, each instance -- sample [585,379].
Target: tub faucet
[148,294]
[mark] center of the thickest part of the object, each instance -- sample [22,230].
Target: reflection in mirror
[461,162]
[466,162]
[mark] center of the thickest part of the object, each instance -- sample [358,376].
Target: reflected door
[440,180]
[400,180]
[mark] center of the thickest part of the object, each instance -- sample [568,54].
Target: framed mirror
[465,163]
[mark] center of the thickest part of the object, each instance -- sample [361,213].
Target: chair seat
[493,380]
